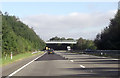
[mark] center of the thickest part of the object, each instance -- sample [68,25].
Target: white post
[11,55]
[5,56]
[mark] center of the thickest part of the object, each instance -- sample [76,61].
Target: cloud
[74,25]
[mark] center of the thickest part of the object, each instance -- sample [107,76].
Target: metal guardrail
[111,53]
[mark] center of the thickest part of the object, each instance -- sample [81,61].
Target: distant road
[71,64]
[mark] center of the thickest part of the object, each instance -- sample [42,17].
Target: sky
[63,19]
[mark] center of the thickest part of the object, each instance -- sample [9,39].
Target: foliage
[109,38]
[70,39]
[18,37]
[83,44]
[58,38]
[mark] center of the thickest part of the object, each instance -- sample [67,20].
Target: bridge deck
[60,42]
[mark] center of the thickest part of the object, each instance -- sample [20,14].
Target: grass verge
[18,57]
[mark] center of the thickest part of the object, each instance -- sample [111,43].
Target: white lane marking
[110,58]
[24,66]
[115,59]
[71,60]
[104,57]
[82,66]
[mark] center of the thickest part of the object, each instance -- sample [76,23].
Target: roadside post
[5,56]
[11,55]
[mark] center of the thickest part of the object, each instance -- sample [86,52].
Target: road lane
[50,65]
[72,64]
[8,69]
[108,67]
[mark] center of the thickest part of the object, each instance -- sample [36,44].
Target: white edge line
[24,66]
[82,66]
[105,57]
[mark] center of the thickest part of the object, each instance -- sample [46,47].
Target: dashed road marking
[71,60]
[82,66]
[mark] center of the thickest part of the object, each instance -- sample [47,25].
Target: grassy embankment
[18,57]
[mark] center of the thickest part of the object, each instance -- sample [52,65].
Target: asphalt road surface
[72,65]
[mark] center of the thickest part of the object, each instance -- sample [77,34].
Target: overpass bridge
[60,44]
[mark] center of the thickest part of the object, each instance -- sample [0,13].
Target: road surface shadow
[98,72]
[101,61]
[51,57]
[93,76]
[96,63]
[65,76]
[70,54]
[90,58]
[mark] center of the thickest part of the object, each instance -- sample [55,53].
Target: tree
[18,37]
[63,38]
[6,14]
[70,39]
[83,44]
[109,37]
[60,38]
[55,38]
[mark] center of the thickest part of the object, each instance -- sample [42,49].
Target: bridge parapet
[61,42]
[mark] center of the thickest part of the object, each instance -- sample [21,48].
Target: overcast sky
[64,19]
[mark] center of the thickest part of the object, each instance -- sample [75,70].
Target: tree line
[109,38]
[84,44]
[17,37]
[59,38]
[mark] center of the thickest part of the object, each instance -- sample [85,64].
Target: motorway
[71,65]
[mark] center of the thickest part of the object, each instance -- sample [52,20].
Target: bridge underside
[60,46]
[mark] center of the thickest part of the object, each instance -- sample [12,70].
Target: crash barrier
[111,53]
